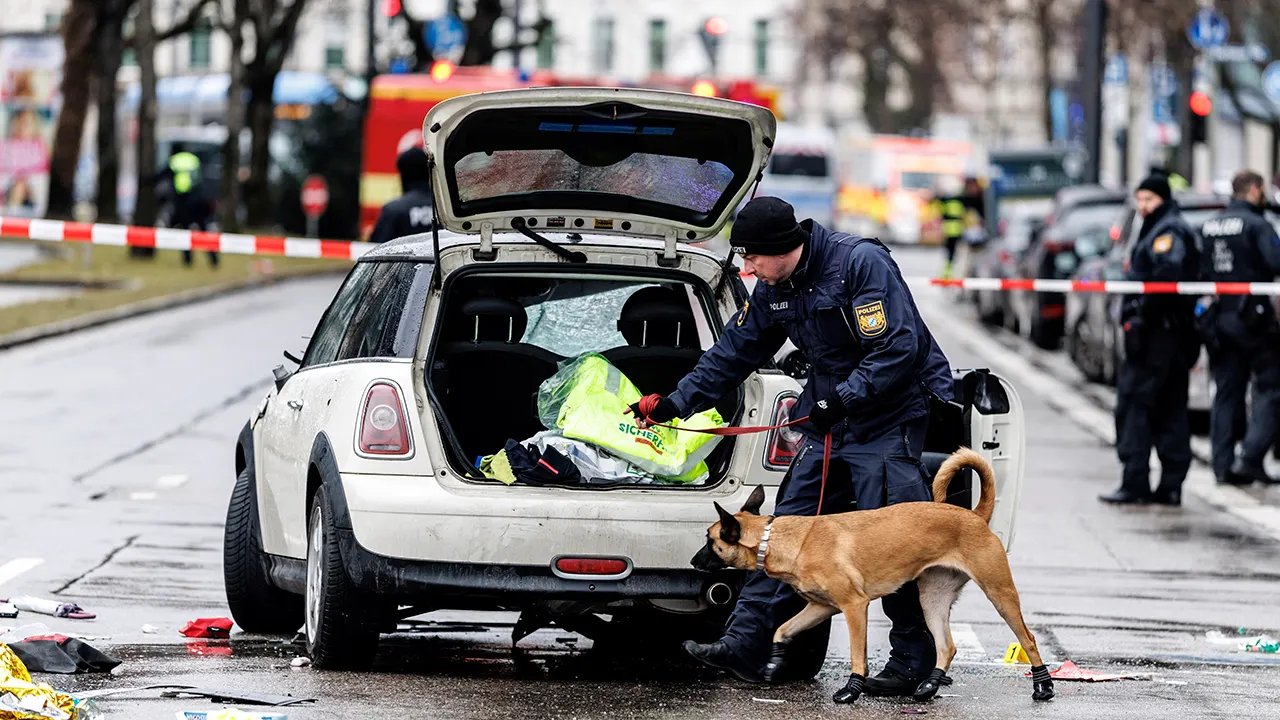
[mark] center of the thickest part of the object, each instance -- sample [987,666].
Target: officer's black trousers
[1151,411]
[1232,367]
[882,471]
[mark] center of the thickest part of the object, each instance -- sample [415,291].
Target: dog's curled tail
[967,458]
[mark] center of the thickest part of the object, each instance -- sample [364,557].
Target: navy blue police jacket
[848,309]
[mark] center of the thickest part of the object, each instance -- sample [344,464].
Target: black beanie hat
[413,166]
[766,226]
[1158,184]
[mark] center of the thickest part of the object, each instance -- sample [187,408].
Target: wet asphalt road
[115,459]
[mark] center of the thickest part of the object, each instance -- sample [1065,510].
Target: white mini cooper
[566,224]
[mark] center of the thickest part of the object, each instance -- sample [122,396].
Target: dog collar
[764,545]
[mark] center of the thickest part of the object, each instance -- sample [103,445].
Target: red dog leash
[649,403]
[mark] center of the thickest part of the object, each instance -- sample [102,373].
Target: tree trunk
[229,205]
[145,49]
[262,118]
[110,55]
[79,39]
[1048,41]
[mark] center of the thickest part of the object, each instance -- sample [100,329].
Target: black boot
[1042,684]
[1125,497]
[1167,496]
[718,655]
[851,689]
[891,683]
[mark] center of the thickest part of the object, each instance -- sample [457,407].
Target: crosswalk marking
[14,568]
[968,648]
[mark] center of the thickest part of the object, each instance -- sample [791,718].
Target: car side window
[323,347]
[374,326]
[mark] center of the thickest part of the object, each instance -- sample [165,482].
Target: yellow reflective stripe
[955,208]
[953,227]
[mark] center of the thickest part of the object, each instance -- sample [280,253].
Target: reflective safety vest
[953,216]
[185,167]
[586,400]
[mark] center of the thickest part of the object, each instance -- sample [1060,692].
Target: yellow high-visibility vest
[186,171]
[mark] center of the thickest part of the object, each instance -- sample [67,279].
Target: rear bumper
[468,584]
[409,538]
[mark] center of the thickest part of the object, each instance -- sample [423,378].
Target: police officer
[184,186]
[959,213]
[1161,345]
[1242,332]
[411,212]
[875,372]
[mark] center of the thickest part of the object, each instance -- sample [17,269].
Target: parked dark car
[1093,336]
[998,259]
[1077,211]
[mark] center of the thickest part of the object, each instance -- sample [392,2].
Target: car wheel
[341,622]
[256,605]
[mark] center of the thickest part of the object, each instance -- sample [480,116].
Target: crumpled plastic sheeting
[21,699]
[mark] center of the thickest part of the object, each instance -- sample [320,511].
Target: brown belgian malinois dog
[840,563]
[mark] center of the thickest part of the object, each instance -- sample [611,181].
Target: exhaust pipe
[719,594]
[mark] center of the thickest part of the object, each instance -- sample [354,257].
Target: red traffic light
[717,25]
[1200,103]
[391,8]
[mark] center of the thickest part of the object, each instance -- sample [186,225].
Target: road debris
[300,662]
[231,696]
[914,711]
[150,629]
[8,610]
[22,699]
[1070,671]
[51,607]
[217,628]
[770,701]
[228,714]
[62,654]
[1256,643]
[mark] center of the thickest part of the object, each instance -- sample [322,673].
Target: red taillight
[591,566]
[784,443]
[1006,257]
[383,430]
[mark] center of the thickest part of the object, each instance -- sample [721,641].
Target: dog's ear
[755,502]
[730,530]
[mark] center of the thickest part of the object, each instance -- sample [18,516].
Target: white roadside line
[1100,423]
[168,482]
[14,568]
[968,648]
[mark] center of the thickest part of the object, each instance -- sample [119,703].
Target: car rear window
[683,182]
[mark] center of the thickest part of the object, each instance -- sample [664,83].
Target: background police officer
[1161,345]
[411,212]
[1242,331]
[875,370]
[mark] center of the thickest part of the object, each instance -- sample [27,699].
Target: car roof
[1081,194]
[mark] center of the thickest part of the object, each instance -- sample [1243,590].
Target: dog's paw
[1042,683]
[851,690]
[930,685]
[777,661]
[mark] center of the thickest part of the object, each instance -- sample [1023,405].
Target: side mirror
[289,356]
[281,375]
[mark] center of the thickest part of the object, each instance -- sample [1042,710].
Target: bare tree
[79,37]
[274,24]
[480,48]
[144,212]
[110,55]
[230,191]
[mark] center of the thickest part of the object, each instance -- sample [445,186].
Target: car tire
[341,622]
[256,605]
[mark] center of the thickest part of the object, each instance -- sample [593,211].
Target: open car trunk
[502,332]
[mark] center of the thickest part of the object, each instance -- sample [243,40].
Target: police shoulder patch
[871,320]
[1162,244]
[742,314]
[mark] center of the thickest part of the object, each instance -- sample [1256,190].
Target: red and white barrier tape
[172,239]
[235,244]
[1126,287]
